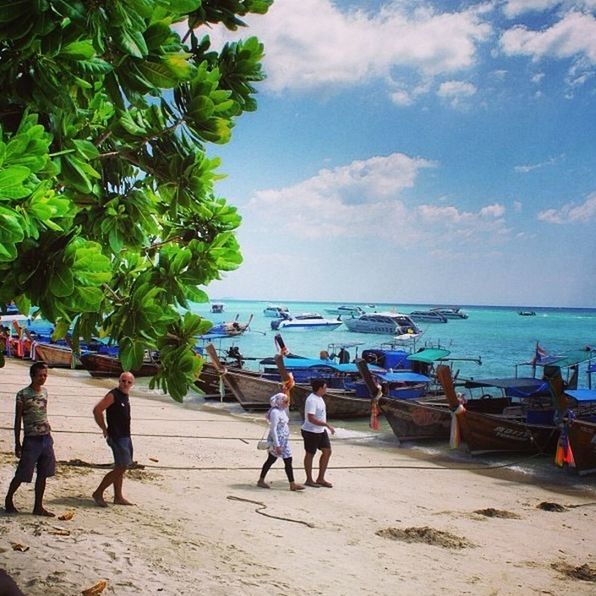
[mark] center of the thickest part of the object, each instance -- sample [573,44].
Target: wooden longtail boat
[208,383]
[507,432]
[582,438]
[101,365]
[250,389]
[56,356]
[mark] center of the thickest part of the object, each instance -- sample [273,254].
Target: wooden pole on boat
[457,408]
[375,391]
[286,377]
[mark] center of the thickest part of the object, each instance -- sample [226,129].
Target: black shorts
[314,441]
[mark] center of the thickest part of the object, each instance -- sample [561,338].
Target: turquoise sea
[499,335]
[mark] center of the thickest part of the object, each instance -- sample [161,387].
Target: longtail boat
[55,355]
[102,365]
[250,389]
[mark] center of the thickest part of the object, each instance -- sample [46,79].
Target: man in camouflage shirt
[38,446]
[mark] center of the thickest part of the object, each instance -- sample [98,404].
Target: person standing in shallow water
[116,406]
[38,446]
[279,438]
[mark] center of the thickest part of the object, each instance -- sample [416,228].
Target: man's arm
[314,420]
[99,409]
[18,418]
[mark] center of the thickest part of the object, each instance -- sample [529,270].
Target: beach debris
[425,535]
[20,547]
[492,512]
[96,589]
[154,459]
[58,531]
[584,572]
[67,516]
[262,506]
[548,506]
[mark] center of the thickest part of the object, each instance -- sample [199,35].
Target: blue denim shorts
[36,451]
[122,449]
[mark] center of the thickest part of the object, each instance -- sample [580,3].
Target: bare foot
[99,500]
[122,501]
[10,508]
[43,512]
[294,486]
[324,483]
[263,484]
[311,484]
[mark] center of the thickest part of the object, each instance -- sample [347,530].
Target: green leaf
[8,252]
[78,50]
[61,283]
[88,299]
[86,149]
[11,182]
[10,226]
[158,74]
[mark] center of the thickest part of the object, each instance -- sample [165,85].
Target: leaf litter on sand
[425,535]
[96,589]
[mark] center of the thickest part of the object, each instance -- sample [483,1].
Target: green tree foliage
[108,217]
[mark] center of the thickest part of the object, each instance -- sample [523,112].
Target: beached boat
[55,355]
[340,404]
[581,432]
[251,390]
[382,323]
[275,311]
[102,365]
[428,316]
[451,312]
[305,321]
[345,309]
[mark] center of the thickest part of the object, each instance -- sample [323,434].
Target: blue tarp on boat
[350,367]
[404,377]
[582,395]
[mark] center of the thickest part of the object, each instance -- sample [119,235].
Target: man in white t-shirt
[314,433]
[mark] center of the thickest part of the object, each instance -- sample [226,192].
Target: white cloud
[513,8]
[312,44]
[571,213]
[365,200]
[456,92]
[524,169]
[573,36]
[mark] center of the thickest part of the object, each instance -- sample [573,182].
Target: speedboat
[527,313]
[305,321]
[428,316]
[344,309]
[274,311]
[217,307]
[451,312]
[382,322]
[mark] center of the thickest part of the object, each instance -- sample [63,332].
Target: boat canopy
[350,367]
[404,377]
[572,358]
[429,355]
[529,384]
[582,395]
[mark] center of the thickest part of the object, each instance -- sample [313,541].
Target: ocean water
[498,335]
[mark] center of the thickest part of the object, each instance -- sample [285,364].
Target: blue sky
[418,152]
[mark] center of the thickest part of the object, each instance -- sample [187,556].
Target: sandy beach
[394,523]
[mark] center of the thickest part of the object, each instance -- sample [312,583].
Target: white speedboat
[344,309]
[275,311]
[309,321]
[451,312]
[428,316]
[382,322]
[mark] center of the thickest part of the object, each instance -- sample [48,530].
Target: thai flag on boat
[540,356]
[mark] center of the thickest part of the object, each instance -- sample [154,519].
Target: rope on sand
[262,506]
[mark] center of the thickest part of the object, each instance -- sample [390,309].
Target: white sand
[187,536]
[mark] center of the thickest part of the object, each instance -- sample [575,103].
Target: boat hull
[101,366]
[490,433]
[412,420]
[338,404]
[253,392]
[582,438]
[56,356]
